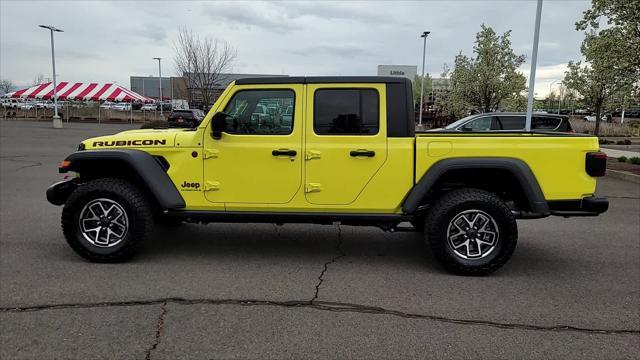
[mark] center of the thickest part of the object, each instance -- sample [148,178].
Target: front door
[346,140]
[259,157]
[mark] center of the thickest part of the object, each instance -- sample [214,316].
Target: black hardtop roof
[321,80]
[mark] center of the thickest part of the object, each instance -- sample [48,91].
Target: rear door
[346,140]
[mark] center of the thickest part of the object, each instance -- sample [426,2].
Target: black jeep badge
[190,186]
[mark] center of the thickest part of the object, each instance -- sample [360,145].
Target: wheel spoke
[472,234]
[103,222]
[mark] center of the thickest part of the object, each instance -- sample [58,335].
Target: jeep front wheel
[471,231]
[106,220]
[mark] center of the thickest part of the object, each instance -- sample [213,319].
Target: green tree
[484,81]
[612,54]
[416,89]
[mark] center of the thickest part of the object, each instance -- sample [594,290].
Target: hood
[143,138]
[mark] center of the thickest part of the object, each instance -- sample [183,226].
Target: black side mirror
[218,124]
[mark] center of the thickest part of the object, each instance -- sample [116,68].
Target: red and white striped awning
[80,91]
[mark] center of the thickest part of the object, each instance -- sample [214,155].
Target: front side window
[260,112]
[479,124]
[346,112]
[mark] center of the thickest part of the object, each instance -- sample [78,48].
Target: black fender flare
[518,168]
[146,167]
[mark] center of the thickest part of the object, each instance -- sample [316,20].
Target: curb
[624,175]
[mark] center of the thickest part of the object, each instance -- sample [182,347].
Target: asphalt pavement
[571,290]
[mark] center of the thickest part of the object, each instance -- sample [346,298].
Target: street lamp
[57,122]
[548,96]
[160,81]
[424,50]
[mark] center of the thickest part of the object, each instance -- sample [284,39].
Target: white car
[121,107]
[149,107]
[26,106]
[592,118]
[106,105]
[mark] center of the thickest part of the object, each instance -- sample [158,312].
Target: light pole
[549,96]
[424,50]
[160,81]
[534,60]
[57,122]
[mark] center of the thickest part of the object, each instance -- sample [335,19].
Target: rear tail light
[596,164]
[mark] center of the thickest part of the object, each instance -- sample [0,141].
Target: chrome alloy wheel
[473,234]
[103,222]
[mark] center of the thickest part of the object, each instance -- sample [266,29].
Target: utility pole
[534,60]
[160,81]
[424,50]
[57,122]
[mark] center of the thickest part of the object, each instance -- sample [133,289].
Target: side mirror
[218,124]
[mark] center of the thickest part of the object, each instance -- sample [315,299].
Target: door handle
[367,153]
[284,152]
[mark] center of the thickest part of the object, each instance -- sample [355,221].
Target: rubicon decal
[130,142]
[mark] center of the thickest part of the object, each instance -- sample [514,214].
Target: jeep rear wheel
[106,220]
[471,231]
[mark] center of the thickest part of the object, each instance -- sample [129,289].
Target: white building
[407,71]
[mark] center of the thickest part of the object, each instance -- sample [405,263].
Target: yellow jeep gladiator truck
[326,150]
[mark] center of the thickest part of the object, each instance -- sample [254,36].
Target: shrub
[623,142]
[635,160]
[622,159]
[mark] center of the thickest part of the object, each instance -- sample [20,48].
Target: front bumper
[58,193]
[589,206]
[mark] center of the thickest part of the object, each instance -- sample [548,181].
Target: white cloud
[110,41]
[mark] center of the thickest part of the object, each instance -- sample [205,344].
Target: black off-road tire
[472,202]
[136,206]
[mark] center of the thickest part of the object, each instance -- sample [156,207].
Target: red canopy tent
[81,92]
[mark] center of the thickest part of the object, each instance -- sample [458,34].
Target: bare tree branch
[202,62]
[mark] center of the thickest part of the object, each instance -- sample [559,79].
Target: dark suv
[504,121]
[186,118]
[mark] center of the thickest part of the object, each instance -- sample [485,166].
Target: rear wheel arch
[508,177]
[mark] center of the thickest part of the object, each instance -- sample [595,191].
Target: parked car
[106,105]
[504,121]
[149,107]
[592,118]
[186,118]
[10,103]
[27,106]
[121,107]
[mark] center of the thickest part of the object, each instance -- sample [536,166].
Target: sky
[108,41]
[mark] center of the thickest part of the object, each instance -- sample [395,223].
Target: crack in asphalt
[13,158]
[318,305]
[622,197]
[341,253]
[159,327]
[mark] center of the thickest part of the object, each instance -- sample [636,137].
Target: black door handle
[367,153]
[284,152]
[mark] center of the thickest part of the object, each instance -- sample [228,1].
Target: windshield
[454,125]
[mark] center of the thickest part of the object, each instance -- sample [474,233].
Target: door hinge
[209,154]
[211,186]
[313,187]
[312,154]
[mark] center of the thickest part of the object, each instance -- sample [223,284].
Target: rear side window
[511,122]
[545,123]
[346,112]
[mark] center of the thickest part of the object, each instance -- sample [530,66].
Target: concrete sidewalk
[618,153]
